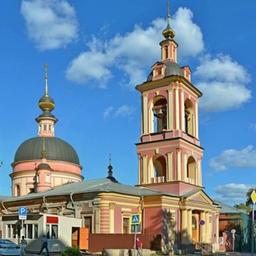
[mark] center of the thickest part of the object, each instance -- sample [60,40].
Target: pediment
[199,197]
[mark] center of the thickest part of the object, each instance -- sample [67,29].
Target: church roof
[92,186]
[229,209]
[55,149]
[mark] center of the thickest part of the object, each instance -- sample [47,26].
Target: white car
[8,248]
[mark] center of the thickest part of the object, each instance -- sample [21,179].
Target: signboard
[52,220]
[136,219]
[253,196]
[23,211]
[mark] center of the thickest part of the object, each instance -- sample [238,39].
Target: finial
[110,168]
[168,33]
[46,79]
[168,14]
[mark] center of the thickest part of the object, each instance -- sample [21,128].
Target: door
[84,238]
[75,237]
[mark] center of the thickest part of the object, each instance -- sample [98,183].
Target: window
[17,187]
[35,231]
[158,71]
[88,223]
[159,114]
[189,118]
[30,231]
[194,223]
[191,170]
[159,165]
[126,225]
[166,52]
[54,233]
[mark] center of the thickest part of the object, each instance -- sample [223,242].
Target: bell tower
[169,150]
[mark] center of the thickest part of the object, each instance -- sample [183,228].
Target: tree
[248,197]
[243,207]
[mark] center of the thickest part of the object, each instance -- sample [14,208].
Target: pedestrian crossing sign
[136,218]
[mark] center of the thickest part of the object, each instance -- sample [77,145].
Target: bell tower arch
[169,150]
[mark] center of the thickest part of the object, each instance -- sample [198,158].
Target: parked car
[7,248]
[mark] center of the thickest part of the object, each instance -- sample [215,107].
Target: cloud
[134,52]
[232,193]
[232,158]
[223,82]
[51,24]
[122,111]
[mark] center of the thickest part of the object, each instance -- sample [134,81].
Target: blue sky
[97,51]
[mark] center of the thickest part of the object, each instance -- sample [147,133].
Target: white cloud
[107,112]
[232,158]
[232,193]
[223,82]
[122,111]
[134,52]
[50,24]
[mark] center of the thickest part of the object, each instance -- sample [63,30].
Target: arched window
[17,188]
[191,170]
[166,52]
[189,117]
[159,114]
[159,164]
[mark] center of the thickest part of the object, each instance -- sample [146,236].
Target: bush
[71,251]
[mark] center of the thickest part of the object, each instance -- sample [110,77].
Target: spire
[46,120]
[46,79]
[168,33]
[110,172]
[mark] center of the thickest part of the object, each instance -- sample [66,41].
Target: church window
[189,118]
[126,225]
[45,127]
[159,114]
[158,71]
[166,52]
[17,190]
[159,165]
[191,170]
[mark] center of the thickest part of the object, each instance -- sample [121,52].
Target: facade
[238,220]
[174,212]
[45,161]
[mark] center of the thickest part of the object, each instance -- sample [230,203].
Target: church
[168,208]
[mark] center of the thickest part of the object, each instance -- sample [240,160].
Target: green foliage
[243,207]
[71,251]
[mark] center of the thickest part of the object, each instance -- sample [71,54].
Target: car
[9,248]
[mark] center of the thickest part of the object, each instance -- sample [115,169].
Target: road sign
[136,218]
[253,196]
[23,213]
[202,222]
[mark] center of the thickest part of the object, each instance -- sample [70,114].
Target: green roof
[91,186]
[229,209]
[56,149]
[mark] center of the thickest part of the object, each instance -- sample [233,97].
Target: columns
[184,223]
[170,167]
[196,120]
[111,217]
[189,229]
[199,172]
[202,227]
[177,107]
[144,169]
[145,114]
[170,110]
[178,163]
[182,110]
[185,159]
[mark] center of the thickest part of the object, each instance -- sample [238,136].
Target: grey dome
[55,149]
[172,69]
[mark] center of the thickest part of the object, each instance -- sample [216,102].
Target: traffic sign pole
[253,197]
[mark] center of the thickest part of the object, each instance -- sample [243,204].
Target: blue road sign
[23,213]
[136,218]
